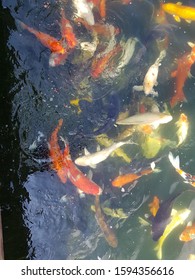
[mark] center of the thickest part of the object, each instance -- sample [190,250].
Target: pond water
[44,218]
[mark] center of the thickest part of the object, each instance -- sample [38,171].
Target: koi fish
[181,74]
[99,65]
[177,219]
[189,179]
[154,206]
[149,118]
[56,155]
[93,159]
[48,41]
[67,31]
[107,231]
[183,126]
[124,179]
[103,140]
[65,168]
[179,11]
[188,233]
[84,10]
[162,217]
[151,76]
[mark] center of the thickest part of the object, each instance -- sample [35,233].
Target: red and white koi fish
[189,179]
[65,168]
[181,74]
[48,41]
[188,233]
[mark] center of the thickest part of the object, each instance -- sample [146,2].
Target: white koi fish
[149,118]
[93,159]
[84,11]
[151,76]
[183,126]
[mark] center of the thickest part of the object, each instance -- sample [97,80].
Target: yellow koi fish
[177,219]
[179,11]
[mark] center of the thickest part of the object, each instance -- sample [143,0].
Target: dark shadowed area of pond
[46,218]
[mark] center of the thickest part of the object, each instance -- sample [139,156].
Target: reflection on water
[44,218]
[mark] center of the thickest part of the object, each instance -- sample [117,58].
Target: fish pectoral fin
[179,3]
[86,152]
[189,224]
[188,21]
[176,18]
[93,165]
[191,45]
[98,148]
[190,75]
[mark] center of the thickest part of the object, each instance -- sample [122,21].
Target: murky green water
[43,218]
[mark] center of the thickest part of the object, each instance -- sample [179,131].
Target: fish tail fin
[158,248]
[174,161]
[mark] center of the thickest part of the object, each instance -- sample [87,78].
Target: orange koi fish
[154,206]
[189,179]
[65,168]
[181,74]
[99,65]
[56,155]
[107,231]
[48,41]
[122,180]
[179,11]
[188,233]
[67,31]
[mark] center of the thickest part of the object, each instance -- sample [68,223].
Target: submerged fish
[189,179]
[151,76]
[114,213]
[93,159]
[67,32]
[84,10]
[124,179]
[177,219]
[188,233]
[154,206]
[180,11]
[183,126]
[162,217]
[103,140]
[65,168]
[48,41]
[181,74]
[152,118]
[107,231]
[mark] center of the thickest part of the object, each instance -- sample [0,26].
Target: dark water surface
[43,218]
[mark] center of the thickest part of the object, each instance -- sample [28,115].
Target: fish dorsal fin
[86,152]
[176,18]
[179,3]
[98,148]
